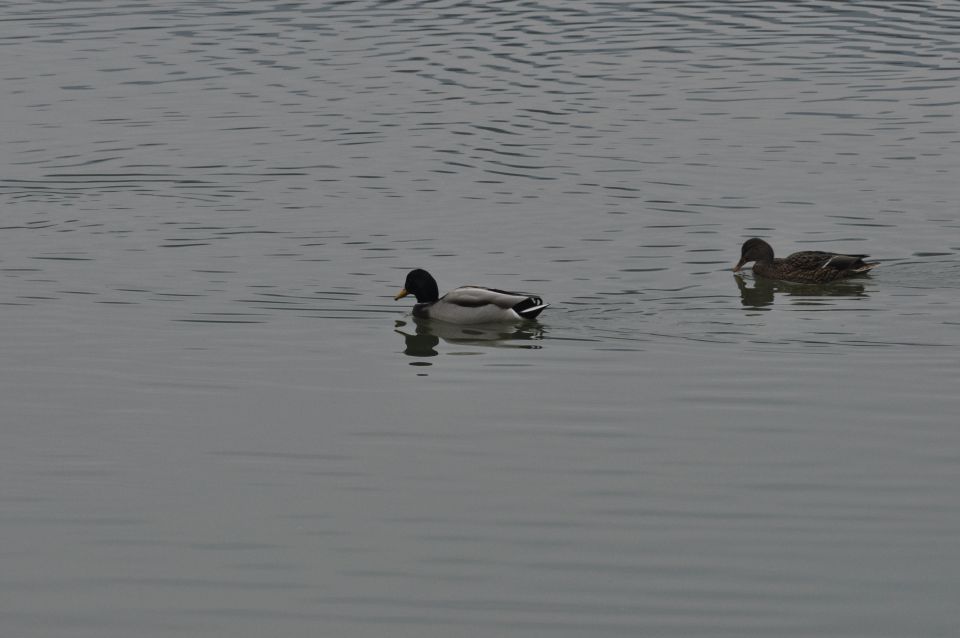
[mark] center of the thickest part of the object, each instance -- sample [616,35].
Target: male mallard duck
[807,267]
[468,304]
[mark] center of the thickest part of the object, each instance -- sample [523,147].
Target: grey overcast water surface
[217,422]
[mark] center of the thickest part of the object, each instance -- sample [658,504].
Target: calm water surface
[217,422]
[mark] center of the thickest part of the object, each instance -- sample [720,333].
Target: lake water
[217,422]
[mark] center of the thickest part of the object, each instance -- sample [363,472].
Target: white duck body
[475,304]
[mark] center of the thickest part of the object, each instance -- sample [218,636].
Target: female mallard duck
[807,267]
[468,304]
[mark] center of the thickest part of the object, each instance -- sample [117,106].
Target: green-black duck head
[421,285]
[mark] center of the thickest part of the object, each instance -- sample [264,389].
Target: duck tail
[849,264]
[530,307]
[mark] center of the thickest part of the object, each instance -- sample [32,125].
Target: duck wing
[476,296]
[818,259]
[475,304]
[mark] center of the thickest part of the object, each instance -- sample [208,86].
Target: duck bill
[400,295]
[739,265]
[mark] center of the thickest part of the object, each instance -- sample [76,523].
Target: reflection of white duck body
[468,304]
[481,335]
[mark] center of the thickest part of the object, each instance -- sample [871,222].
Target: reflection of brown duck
[808,267]
[757,296]
[761,294]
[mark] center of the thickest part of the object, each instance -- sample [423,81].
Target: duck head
[754,250]
[421,285]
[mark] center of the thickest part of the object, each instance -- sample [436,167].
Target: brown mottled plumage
[807,267]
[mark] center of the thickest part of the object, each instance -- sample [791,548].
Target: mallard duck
[807,267]
[467,304]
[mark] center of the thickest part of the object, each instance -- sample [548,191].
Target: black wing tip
[531,307]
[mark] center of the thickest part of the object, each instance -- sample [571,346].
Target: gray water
[217,422]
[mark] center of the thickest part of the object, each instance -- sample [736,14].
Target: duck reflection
[422,336]
[761,293]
